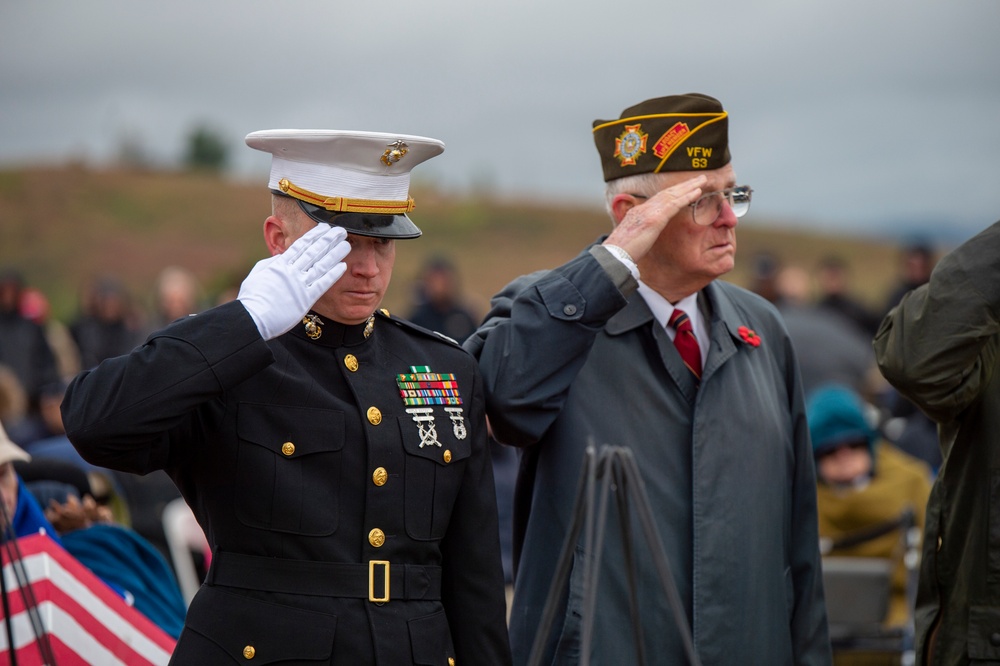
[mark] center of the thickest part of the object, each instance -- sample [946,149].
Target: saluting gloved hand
[279,290]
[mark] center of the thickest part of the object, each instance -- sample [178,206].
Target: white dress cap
[343,164]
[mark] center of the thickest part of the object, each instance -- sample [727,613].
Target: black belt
[378,580]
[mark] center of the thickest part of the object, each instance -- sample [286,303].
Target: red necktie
[685,342]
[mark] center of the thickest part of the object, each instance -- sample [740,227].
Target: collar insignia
[313,325]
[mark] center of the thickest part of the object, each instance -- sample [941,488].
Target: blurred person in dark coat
[336,457]
[24,347]
[916,261]
[439,304]
[635,342]
[830,349]
[106,326]
[35,306]
[940,347]
[833,278]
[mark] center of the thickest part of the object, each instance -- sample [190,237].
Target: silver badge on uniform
[457,421]
[424,418]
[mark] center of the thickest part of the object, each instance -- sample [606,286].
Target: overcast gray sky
[853,115]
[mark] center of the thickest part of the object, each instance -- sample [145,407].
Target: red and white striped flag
[83,620]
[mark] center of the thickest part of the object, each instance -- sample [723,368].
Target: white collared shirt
[662,309]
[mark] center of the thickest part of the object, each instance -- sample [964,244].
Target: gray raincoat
[572,357]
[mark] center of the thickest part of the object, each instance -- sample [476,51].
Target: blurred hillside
[66,226]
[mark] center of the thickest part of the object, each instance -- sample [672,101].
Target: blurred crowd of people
[876,453]
[40,354]
[111,522]
[832,328]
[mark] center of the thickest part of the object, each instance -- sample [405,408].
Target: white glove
[280,290]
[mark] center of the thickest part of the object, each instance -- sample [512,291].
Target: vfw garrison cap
[356,180]
[676,133]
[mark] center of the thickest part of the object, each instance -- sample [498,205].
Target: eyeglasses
[707,209]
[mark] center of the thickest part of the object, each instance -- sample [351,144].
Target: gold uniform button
[351,361]
[376,537]
[939,543]
[374,415]
[380,476]
[447,455]
[288,448]
[451,661]
[249,652]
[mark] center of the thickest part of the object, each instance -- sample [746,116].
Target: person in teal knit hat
[843,439]
[864,483]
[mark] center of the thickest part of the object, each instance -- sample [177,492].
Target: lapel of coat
[725,319]
[636,315]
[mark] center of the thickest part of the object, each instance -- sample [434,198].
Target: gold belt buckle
[371,581]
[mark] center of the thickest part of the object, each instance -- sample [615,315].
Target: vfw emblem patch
[630,145]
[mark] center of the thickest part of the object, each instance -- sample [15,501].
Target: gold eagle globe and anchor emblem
[394,152]
[313,325]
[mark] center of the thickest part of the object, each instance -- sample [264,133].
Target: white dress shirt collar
[662,309]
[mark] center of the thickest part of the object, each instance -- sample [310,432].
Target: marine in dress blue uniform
[335,456]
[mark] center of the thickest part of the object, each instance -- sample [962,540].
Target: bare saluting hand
[642,224]
[279,290]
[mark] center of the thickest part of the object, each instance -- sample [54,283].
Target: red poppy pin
[749,336]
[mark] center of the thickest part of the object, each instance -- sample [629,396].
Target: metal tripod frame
[611,470]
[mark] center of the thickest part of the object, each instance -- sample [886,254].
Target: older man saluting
[637,343]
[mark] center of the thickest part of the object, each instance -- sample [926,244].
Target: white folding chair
[184,538]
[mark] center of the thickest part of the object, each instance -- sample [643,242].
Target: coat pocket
[430,640]
[568,646]
[288,468]
[984,633]
[228,628]
[438,443]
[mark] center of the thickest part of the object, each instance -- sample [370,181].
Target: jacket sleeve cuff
[619,272]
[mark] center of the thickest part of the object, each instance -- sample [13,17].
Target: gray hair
[646,184]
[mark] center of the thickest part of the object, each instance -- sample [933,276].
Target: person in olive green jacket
[939,347]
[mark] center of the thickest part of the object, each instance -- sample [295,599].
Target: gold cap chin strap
[345,204]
